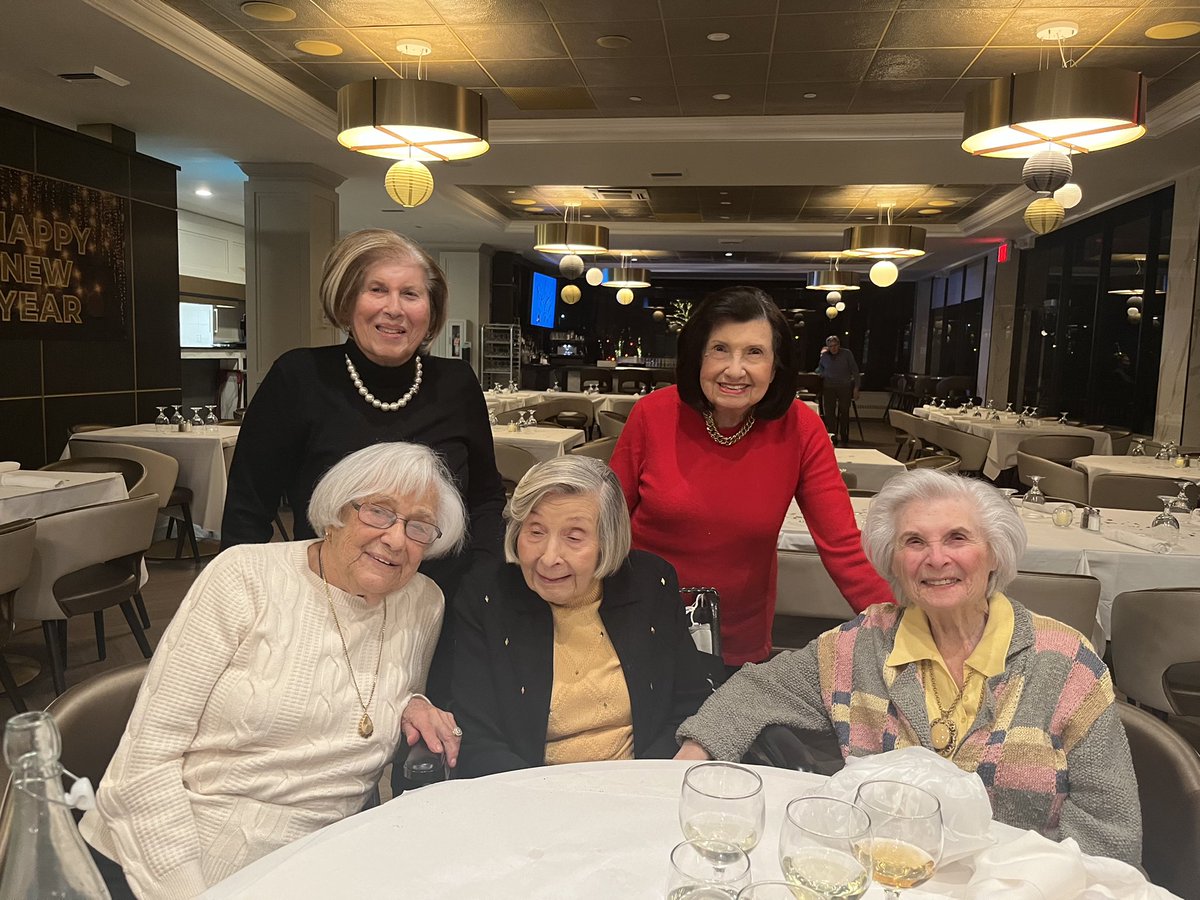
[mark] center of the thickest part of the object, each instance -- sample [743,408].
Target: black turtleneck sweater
[307,415]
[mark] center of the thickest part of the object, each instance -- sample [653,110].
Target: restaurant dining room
[622,450]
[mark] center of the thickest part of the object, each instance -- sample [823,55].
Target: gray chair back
[512,415]
[622,405]
[818,597]
[941,461]
[132,471]
[611,423]
[1057,480]
[512,463]
[1060,448]
[581,406]
[970,450]
[1168,780]
[16,555]
[601,449]
[1121,439]
[904,423]
[162,471]
[1071,599]
[1151,631]
[1130,491]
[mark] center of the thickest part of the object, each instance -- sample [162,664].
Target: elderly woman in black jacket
[578,649]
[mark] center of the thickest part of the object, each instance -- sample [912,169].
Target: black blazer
[504,661]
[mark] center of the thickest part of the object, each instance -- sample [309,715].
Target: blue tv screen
[541,301]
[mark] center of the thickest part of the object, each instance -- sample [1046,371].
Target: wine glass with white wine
[906,833]
[707,870]
[722,802]
[825,848]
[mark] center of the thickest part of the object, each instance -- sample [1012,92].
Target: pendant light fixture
[883,240]
[832,280]
[570,236]
[626,276]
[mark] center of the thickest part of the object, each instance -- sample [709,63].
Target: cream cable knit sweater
[245,733]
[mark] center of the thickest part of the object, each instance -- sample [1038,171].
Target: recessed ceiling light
[724,193]
[1172,31]
[318,48]
[940,202]
[524,201]
[636,99]
[726,202]
[722,96]
[535,209]
[718,36]
[587,215]
[930,212]
[613,41]
[724,217]
[810,96]
[203,192]
[512,192]
[268,12]
[633,259]
[727,253]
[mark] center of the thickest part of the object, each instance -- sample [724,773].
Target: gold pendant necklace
[943,733]
[366,727]
[730,440]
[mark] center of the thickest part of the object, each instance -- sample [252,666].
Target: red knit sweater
[714,512]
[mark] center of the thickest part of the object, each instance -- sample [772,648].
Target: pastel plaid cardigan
[1047,743]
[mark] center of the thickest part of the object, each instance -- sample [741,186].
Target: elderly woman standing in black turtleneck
[318,404]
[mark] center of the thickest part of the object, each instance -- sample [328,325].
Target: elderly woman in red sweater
[709,467]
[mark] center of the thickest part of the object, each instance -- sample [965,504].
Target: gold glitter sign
[63,260]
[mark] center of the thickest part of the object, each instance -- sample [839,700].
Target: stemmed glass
[162,423]
[722,802]
[210,421]
[177,417]
[1138,447]
[707,870]
[197,422]
[906,833]
[825,848]
[1181,503]
[1034,498]
[1062,417]
[1165,526]
[1008,408]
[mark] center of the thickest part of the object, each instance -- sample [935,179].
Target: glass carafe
[46,854]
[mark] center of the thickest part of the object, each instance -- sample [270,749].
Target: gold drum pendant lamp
[884,241]
[409,118]
[570,237]
[628,277]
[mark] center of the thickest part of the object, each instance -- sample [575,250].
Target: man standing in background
[840,371]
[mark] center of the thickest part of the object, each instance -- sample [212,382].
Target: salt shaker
[1093,519]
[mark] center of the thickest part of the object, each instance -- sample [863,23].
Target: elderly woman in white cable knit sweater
[286,681]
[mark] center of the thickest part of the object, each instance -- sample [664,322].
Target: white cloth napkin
[42,480]
[9,466]
[1142,541]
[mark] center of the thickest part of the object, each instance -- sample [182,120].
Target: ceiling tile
[600,10]
[647,37]
[1165,88]
[206,15]
[306,82]
[726,71]
[506,12]
[747,34]
[308,15]
[283,41]
[910,65]
[560,99]
[789,100]
[788,7]
[349,13]
[530,41]
[819,66]
[997,62]
[1151,62]
[830,31]
[944,27]
[656,101]
[532,72]
[1094,24]
[955,99]
[253,45]
[703,9]
[337,74]
[382,41]
[499,105]
[697,100]
[464,73]
[1132,31]
[900,96]
[621,73]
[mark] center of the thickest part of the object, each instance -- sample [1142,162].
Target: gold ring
[457,732]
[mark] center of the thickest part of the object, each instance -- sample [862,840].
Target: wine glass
[722,802]
[825,848]
[197,422]
[770,890]
[1165,526]
[1181,503]
[707,870]
[1034,498]
[1062,417]
[1138,447]
[906,833]
[1008,408]
[210,421]
[162,423]
[1008,493]
[177,417]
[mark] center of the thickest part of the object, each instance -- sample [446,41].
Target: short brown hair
[346,266]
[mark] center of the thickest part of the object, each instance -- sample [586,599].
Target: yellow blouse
[914,643]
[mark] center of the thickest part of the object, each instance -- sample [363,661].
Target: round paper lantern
[624,296]
[840,306]
[571,266]
[409,182]
[1069,195]
[674,328]
[1135,314]
[884,273]
[1047,171]
[831,312]
[1134,302]
[570,294]
[658,315]
[594,276]
[833,297]
[1044,215]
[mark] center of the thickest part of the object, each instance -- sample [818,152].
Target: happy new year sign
[64,271]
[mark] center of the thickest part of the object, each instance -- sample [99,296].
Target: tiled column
[1177,415]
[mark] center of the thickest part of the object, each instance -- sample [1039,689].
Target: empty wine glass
[722,802]
[1008,493]
[1138,447]
[1181,503]
[197,422]
[210,421]
[177,417]
[906,833]
[1034,498]
[707,870]
[1165,526]
[1008,408]
[825,848]
[1062,417]
[162,423]
[492,420]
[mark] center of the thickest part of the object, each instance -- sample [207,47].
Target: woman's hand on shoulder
[424,721]
[692,750]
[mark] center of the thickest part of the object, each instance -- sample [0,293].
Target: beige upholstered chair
[513,415]
[906,440]
[1059,448]
[16,557]
[569,412]
[1130,491]
[132,471]
[941,461]
[601,449]
[1072,599]
[1121,439]
[86,560]
[970,450]
[1152,631]
[807,602]
[1057,480]
[1168,780]
[513,463]
[622,405]
[611,423]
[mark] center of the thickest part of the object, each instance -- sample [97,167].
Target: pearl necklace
[730,440]
[375,401]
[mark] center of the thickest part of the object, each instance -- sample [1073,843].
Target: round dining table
[589,831]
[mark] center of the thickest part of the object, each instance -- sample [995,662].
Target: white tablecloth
[872,467]
[1071,551]
[1139,466]
[1006,435]
[543,443]
[81,489]
[593,831]
[202,462]
[501,403]
[607,402]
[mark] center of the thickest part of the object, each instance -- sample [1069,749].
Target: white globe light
[624,296]
[840,306]
[831,312]
[570,294]
[884,273]
[594,276]
[571,266]
[1069,195]
[833,297]
[409,183]
[1135,314]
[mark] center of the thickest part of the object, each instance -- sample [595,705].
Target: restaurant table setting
[871,467]
[543,442]
[1138,466]
[604,830]
[32,494]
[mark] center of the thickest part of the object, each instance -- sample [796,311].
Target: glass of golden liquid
[906,833]
[825,849]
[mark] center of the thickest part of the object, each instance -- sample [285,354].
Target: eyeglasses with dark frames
[382,518]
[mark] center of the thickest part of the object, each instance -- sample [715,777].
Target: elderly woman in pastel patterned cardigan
[958,668]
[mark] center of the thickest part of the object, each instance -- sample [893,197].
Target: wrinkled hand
[692,750]
[424,721]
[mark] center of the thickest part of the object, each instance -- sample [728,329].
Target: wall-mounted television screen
[541,300]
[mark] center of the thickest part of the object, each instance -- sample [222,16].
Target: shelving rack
[501,355]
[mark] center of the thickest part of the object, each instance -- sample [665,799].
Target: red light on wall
[1002,253]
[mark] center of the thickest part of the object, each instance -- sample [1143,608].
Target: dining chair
[1121,439]
[1059,448]
[1154,633]
[906,439]
[1167,769]
[569,412]
[86,560]
[622,405]
[1130,491]
[130,470]
[941,461]
[512,463]
[611,423]
[807,602]
[16,558]
[601,449]
[850,479]
[971,450]
[861,492]
[809,386]
[84,427]
[954,386]
[928,433]
[1056,480]
[162,474]
[1071,599]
